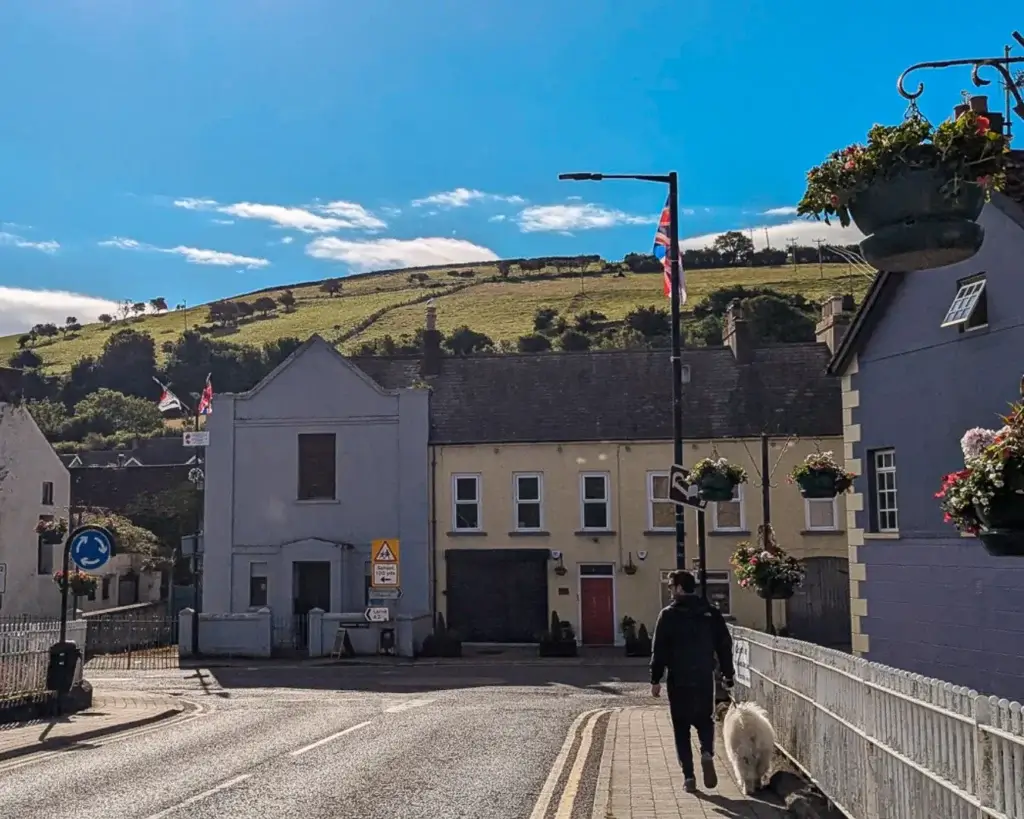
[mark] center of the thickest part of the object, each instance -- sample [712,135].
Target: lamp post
[197,477]
[672,180]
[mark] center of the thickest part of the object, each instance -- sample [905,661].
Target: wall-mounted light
[642,554]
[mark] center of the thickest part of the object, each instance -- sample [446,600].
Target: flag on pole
[168,400]
[206,400]
[661,251]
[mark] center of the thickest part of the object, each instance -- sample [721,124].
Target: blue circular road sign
[91,548]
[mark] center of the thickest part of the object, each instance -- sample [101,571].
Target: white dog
[749,743]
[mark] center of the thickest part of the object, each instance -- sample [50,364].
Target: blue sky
[194,149]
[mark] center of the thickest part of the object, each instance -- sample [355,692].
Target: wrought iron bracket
[1000,64]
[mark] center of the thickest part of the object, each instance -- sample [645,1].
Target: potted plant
[986,497]
[77,583]
[442,642]
[716,479]
[52,531]
[772,573]
[819,476]
[914,190]
[630,567]
[559,640]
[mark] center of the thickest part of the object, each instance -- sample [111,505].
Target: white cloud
[193,255]
[223,221]
[501,217]
[803,232]
[391,211]
[14,240]
[327,218]
[20,309]
[787,210]
[564,218]
[381,254]
[461,197]
[287,240]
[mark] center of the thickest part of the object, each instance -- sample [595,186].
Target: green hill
[374,305]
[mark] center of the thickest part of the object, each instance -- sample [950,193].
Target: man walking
[689,635]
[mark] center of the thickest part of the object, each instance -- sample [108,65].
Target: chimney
[430,364]
[979,105]
[836,317]
[736,335]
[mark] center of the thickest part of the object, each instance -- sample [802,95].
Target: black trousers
[692,708]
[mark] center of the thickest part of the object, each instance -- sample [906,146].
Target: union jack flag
[206,400]
[661,251]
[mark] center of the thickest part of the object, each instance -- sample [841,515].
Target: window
[466,503]
[257,585]
[318,466]
[820,514]
[594,511]
[969,309]
[719,589]
[47,493]
[528,489]
[661,512]
[44,552]
[886,511]
[728,515]
[106,586]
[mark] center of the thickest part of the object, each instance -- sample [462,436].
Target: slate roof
[622,395]
[147,452]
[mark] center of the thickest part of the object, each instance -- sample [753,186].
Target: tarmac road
[311,743]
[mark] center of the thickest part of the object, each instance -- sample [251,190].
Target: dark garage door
[497,595]
[819,611]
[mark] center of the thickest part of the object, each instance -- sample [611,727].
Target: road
[331,743]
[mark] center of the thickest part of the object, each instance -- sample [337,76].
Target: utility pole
[821,268]
[767,241]
[792,247]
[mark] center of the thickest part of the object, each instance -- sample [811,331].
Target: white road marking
[223,786]
[325,740]
[547,792]
[572,785]
[405,706]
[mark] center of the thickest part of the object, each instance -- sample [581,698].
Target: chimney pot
[979,104]
[431,323]
[960,110]
[836,316]
[736,334]
[430,359]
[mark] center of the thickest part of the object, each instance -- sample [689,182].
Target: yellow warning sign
[384,551]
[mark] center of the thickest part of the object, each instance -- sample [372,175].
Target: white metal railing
[25,654]
[884,743]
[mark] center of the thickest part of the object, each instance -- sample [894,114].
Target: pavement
[480,741]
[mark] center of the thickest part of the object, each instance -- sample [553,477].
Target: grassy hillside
[392,304]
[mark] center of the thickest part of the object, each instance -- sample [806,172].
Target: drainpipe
[433,535]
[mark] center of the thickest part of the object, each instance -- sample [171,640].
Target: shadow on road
[413,679]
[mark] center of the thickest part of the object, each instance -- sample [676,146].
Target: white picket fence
[25,654]
[884,743]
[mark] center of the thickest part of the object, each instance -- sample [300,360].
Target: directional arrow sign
[378,614]
[682,493]
[91,548]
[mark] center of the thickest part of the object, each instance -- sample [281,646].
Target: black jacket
[689,634]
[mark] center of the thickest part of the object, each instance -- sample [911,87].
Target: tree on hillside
[244,309]
[588,321]
[547,320]
[774,320]
[105,318]
[138,308]
[533,343]
[124,309]
[706,331]
[24,340]
[71,325]
[642,263]
[504,268]
[45,330]
[128,363]
[331,287]
[649,322]
[223,312]
[735,246]
[464,341]
[107,411]
[573,340]
[25,360]
[50,416]
[717,302]
[159,304]
[264,305]
[274,352]
[287,300]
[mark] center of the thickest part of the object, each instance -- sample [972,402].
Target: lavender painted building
[915,377]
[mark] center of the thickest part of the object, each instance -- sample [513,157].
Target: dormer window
[969,309]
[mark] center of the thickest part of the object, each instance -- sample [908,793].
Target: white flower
[975,441]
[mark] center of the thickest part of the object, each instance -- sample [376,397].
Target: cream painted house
[549,478]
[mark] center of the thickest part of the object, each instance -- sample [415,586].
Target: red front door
[597,611]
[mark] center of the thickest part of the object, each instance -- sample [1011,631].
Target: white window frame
[477,478]
[743,513]
[651,500]
[516,476]
[607,478]
[835,514]
[957,315]
[882,469]
[719,578]
[258,569]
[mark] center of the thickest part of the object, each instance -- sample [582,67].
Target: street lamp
[672,180]
[198,479]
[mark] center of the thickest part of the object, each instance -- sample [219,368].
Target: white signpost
[378,614]
[201,438]
[741,661]
[385,575]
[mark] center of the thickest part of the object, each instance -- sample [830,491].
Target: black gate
[498,595]
[819,610]
[131,644]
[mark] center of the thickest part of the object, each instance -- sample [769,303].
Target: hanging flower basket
[986,497]
[78,583]
[819,476]
[716,479]
[914,191]
[52,531]
[772,573]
